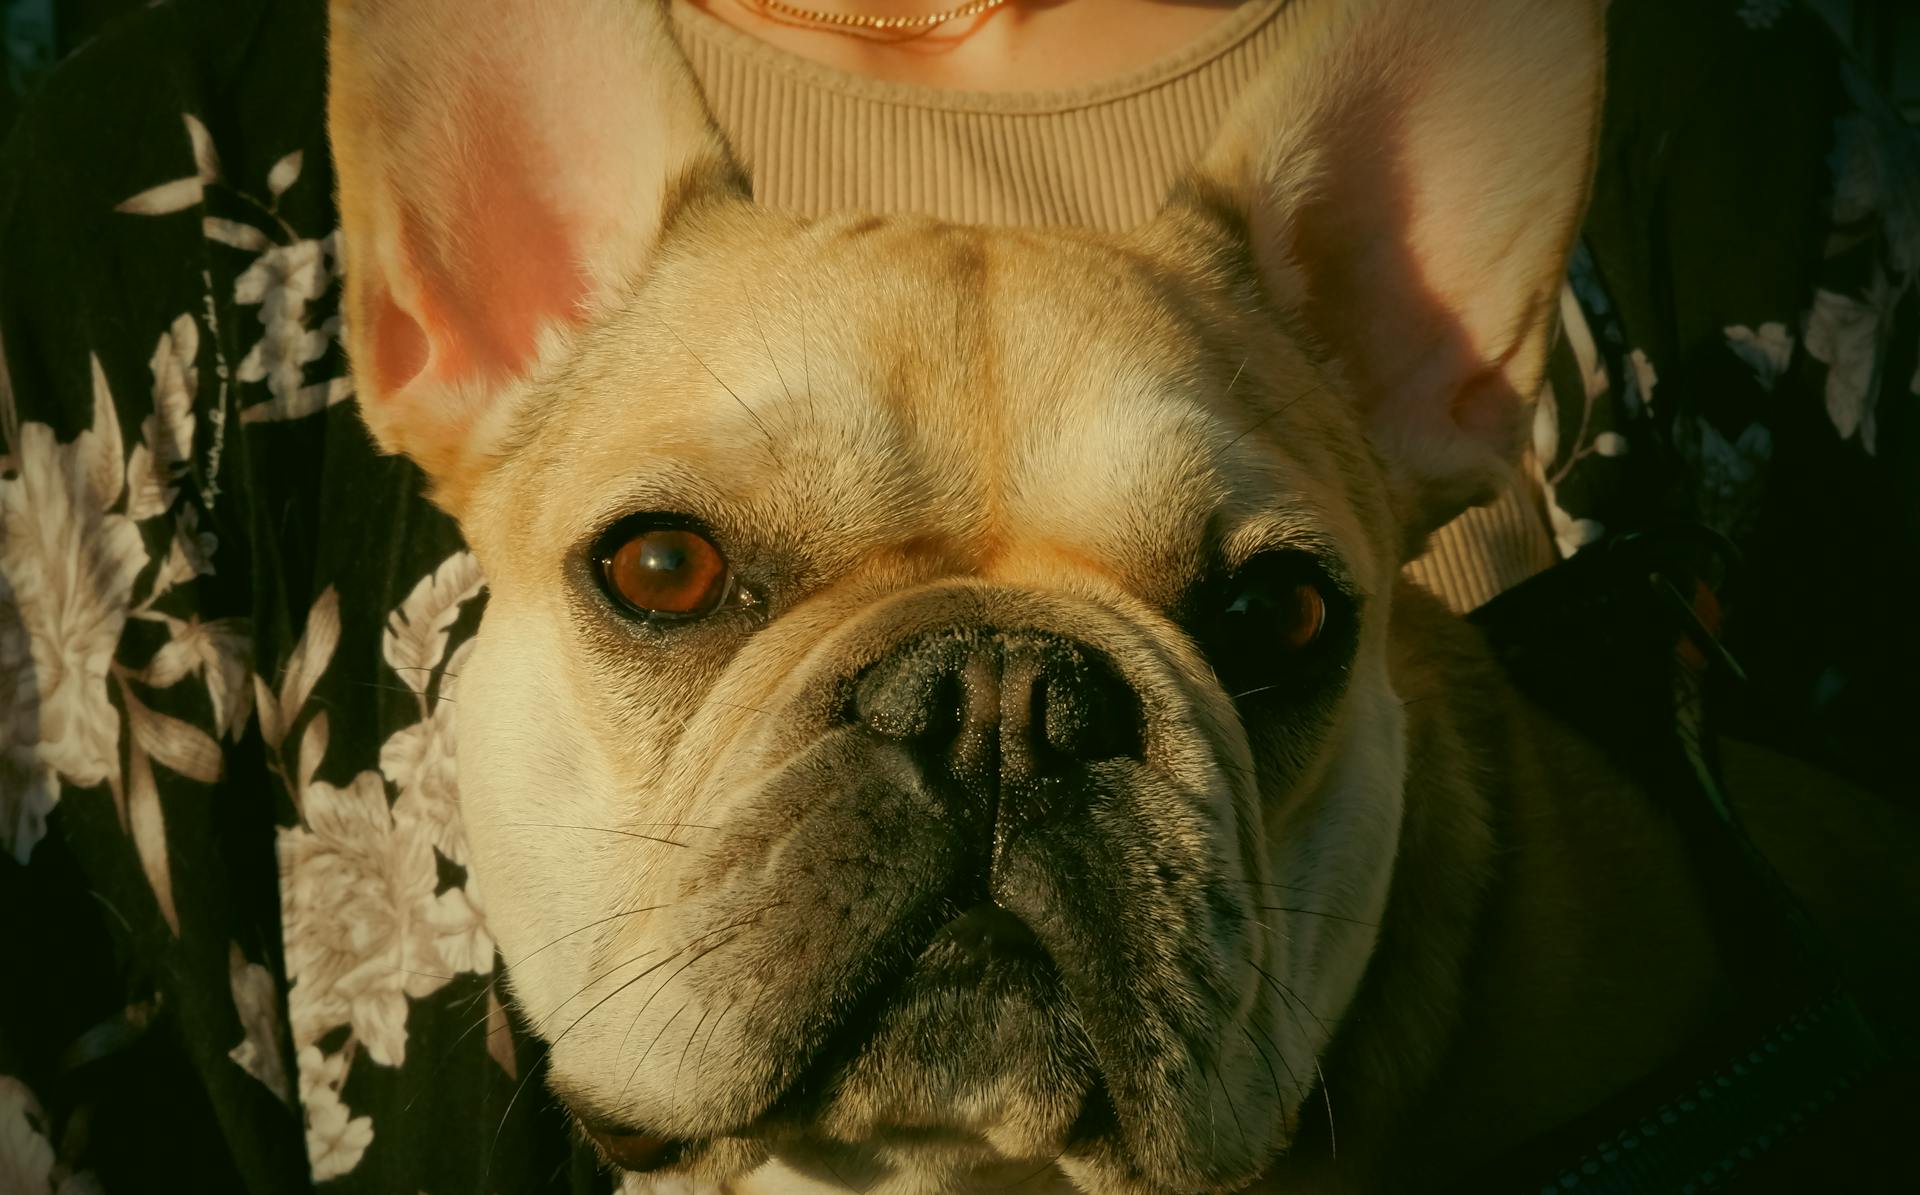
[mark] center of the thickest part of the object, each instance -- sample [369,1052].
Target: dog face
[933,708]
[974,835]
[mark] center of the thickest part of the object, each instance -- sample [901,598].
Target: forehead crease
[1133,479]
[1115,449]
[832,390]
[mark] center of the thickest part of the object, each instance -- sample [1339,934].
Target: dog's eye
[1272,626]
[1276,602]
[664,572]
[1290,613]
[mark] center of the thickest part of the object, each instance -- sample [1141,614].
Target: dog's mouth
[982,988]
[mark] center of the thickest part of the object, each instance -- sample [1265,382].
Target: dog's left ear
[1411,179]
[507,169]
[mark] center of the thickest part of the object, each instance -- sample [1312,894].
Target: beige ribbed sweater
[818,140]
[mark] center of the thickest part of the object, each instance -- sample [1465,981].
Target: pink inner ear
[399,343]
[493,262]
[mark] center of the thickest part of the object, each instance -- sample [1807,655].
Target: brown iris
[1302,616]
[667,571]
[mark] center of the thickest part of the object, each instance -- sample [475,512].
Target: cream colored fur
[1323,342]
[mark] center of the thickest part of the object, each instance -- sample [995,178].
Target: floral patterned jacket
[240,941]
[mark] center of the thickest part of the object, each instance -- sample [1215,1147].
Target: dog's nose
[998,707]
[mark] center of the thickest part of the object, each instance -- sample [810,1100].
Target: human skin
[1025,45]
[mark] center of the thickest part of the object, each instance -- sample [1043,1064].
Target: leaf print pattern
[1844,333]
[218,651]
[181,193]
[416,637]
[1553,458]
[256,997]
[287,274]
[167,434]
[281,282]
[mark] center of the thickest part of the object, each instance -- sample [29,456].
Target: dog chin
[979,1051]
[976,1071]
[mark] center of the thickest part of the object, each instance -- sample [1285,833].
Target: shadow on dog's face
[932,711]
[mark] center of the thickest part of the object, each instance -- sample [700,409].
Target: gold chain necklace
[857,21]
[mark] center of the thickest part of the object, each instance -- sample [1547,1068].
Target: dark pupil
[663,552]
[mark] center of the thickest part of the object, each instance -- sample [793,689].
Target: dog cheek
[1332,857]
[523,782]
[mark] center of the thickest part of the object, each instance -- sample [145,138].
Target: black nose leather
[999,707]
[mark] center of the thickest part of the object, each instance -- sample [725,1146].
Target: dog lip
[634,1150]
[988,928]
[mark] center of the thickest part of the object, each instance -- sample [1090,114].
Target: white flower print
[28,786]
[28,1164]
[1548,463]
[365,926]
[336,1139]
[416,635]
[358,914]
[1767,351]
[72,561]
[1570,534]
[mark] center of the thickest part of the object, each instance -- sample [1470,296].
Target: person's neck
[1024,45]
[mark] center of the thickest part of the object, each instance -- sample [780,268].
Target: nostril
[1087,713]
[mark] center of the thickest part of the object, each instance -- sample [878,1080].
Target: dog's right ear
[507,168]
